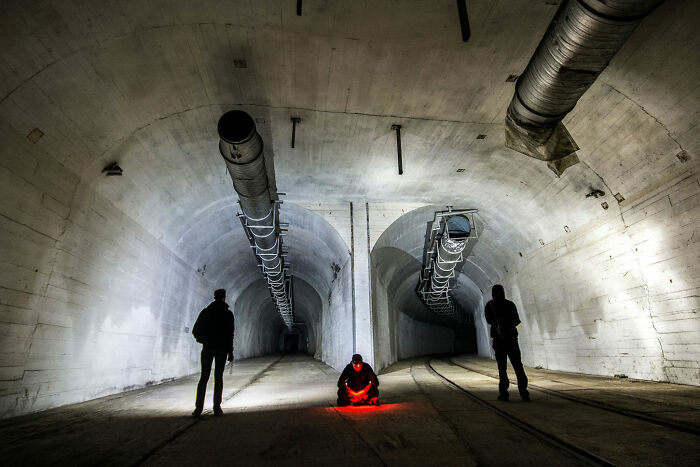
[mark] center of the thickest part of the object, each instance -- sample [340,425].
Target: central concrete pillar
[363,342]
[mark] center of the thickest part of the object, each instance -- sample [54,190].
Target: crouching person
[358,385]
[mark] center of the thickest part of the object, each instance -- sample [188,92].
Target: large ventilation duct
[579,43]
[449,234]
[242,149]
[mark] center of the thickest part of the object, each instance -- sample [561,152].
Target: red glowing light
[370,408]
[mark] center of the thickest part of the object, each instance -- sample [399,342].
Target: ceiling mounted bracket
[464,20]
[397,128]
[295,122]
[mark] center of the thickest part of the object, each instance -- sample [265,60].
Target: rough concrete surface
[102,277]
[279,410]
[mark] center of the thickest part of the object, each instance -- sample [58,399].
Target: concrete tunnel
[118,217]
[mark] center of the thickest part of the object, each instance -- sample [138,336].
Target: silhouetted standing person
[214,329]
[503,317]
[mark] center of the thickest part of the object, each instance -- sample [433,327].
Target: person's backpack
[197,330]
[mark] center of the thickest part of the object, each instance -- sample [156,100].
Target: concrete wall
[90,303]
[399,336]
[619,295]
[258,324]
[483,337]
[337,324]
[418,338]
[385,324]
[403,326]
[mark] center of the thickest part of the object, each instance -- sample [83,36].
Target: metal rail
[180,431]
[574,450]
[600,405]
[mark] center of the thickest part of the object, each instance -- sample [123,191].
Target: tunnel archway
[404,326]
[601,261]
[319,263]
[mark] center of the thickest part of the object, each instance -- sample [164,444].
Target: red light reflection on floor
[371,408]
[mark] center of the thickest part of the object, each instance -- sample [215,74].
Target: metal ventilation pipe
[449,235]
[242,149]
[579,43]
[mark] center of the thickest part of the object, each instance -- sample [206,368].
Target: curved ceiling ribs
[146,89]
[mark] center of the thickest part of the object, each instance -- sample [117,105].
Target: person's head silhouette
[498,293]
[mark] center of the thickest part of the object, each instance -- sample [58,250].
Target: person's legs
[219,365]
[502,362]
[206,359]
[515,360]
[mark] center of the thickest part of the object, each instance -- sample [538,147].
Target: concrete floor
[279,410]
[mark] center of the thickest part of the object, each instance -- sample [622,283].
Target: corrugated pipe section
[449,235]
[579,43]
[242,149]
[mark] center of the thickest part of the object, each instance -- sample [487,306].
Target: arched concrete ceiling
[144,84]
[258,325]
[397,258]
[217,243]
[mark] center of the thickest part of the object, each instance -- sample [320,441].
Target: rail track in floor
[182,430]
[584,455]
[694,430]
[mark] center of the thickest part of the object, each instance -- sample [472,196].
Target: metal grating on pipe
[242,149]
[449,234]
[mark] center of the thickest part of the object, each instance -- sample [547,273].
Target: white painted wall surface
[418,338]
[337,318]
[620,295]
[90,303]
